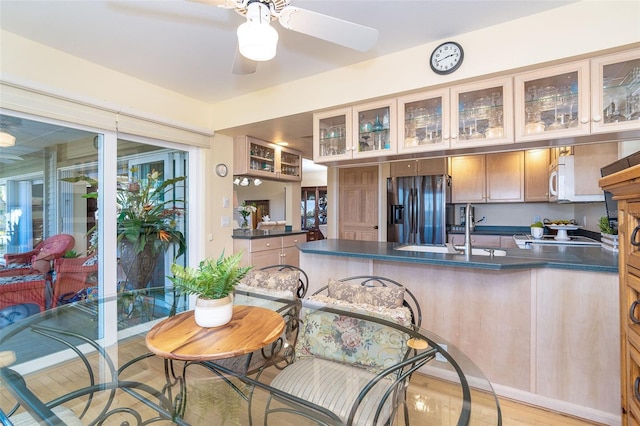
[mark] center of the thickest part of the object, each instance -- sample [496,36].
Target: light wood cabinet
[482,113]
[625,188]
[588,159]
[536,175]
[491,178]
[552,102]
[424,121]
[615,92]
[420,167]
[255,157]
[261,252]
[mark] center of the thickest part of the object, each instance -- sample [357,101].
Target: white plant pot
[213,312]
[537,232]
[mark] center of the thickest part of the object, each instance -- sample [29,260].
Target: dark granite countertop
[255,234]
[541,256]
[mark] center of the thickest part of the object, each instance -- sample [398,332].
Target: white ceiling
[189,47]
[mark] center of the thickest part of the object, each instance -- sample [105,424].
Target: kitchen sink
[448,249]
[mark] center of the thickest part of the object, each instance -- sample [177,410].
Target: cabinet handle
[597,118]
[634,234]
[632,315]
[295,241]
[636,385]
[268,244]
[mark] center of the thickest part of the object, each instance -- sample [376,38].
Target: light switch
[225,202]
[224,221]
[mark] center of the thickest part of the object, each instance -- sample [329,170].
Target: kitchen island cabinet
[542,327]
[266,249]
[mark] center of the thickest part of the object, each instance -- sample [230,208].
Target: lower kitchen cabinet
[261,252]
[625,188]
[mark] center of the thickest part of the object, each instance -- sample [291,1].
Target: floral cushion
[351,340]
[273,280]
[391,297]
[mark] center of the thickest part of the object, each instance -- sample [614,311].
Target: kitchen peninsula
[542,324]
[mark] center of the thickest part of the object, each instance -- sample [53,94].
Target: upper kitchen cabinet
[372,125]
[482,113]
[332,135]
[552,102]
[362,131]
[615,92]
[255,157]
[424,122]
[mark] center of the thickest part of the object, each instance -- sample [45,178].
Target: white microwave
[562,182]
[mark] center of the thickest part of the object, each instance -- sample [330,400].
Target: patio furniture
[72,275]
[41,256]
[30,288]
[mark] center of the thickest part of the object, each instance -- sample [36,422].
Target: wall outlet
[536,219]
[439,356]
[225,202]
[225,221]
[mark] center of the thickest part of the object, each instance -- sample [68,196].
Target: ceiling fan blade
[242,65]
[227,4]
[338,31]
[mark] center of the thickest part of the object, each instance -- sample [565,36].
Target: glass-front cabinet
[372,125]
[255,157]
[424,122]
[332,137]
[482,113]
[615,92]
[553,102]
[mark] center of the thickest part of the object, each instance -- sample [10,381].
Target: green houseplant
[213,283]
[608,235]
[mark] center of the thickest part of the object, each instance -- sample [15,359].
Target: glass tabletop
[75,357]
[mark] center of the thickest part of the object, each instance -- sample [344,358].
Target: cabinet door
[536,175]
[424,121]
[264,258]
[332,135]
[468,179]
[588,159]
[505,177]
[403,168]
[632,234]
[373,129]
[482,113]
[289,165]
[615,92]
[290,256]
[552,102]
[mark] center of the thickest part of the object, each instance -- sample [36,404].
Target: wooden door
[358,209]
[505,177]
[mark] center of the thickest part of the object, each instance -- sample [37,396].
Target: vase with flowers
[245,211]
[148,224]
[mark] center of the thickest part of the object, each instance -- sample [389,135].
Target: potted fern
[213,283]
[608,235]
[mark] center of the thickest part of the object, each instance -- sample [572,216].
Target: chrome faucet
[468,223]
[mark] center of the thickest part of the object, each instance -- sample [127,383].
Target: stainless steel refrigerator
[416,211]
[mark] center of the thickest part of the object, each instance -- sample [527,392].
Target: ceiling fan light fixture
[257,40]
[7,140]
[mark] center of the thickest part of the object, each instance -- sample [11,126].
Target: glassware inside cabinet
[262,158]
[333,136]
[480,114]
[423,122]
[373,126]
[289,164]
[621,91]
[551,103]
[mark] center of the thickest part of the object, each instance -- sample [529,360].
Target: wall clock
[221,170]
[446,58]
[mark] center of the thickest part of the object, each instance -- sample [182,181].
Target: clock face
[221,170]
[447,58]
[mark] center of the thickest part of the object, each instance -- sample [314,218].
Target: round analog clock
[446,58]
[221,170]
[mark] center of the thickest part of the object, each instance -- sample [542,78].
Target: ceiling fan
[257,40]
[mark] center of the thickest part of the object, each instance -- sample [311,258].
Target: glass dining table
[90,362]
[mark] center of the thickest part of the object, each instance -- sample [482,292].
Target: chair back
[72,275]
[303,281]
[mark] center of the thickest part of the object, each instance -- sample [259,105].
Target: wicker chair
[41,256]
[356,387]
[71,276]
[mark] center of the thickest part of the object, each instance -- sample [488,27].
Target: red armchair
[72,275]
[41,256]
